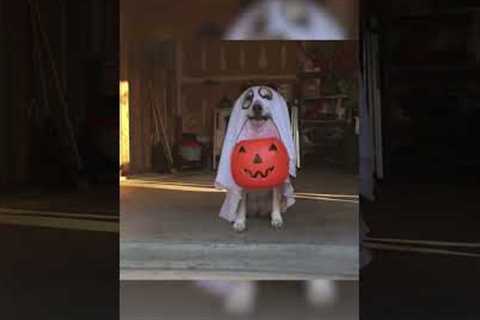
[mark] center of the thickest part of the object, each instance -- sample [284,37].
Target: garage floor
[57,274]
[414,285]
[98,199]
[59,253]
[170,229]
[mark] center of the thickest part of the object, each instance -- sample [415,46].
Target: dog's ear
[273,86]
[246,85]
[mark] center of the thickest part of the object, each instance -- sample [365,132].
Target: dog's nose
[257,159]
[257,108]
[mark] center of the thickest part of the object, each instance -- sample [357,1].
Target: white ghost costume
[277,108]
[286,19]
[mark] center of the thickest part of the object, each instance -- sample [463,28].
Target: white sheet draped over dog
[282,19]
[277,107]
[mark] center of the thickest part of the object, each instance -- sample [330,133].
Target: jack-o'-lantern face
[259,163]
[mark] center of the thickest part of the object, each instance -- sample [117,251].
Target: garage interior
[60,95]
[175,98]
[178,94]
[58,158]
[421,63]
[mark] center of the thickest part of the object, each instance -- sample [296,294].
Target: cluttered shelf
[326,97]
[330,122]
[310,74]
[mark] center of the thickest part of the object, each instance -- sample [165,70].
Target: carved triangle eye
[273,148]
[242,150]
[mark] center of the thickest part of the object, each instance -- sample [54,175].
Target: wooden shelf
[311,74]
[218,79]
[329,97]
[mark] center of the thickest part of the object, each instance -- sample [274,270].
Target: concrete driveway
[170,229]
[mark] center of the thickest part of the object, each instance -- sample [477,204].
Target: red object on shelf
[190,149]
[190,144]
[259,163]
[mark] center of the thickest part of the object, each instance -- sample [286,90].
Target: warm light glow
[57,214]
[205,185]
[319,198]
[333,195]
[172,187]
[55,220]
[193,187]
[124,124]
[346,198]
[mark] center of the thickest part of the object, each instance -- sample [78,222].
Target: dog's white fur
[239,297]
[260,202]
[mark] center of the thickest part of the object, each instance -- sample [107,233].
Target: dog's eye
[265,93]
[273,148]
[242,150]
[247,101]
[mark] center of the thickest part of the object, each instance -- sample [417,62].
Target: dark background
[430,92]
[49,273]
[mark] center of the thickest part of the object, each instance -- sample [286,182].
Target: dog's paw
[277,222]
[240,300]
[239,226]
[321,293]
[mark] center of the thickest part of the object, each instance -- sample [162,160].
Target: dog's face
[257,102]
[290,19]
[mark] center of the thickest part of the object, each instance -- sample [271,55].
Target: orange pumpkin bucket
[259,163]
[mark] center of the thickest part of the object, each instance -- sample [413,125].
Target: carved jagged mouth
[259,173]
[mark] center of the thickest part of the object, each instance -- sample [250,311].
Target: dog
[260,112]
[259,202]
